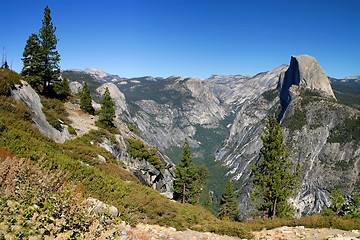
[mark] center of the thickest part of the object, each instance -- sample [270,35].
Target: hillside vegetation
[74,162]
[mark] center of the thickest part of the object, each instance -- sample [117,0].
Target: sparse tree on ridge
[86,99]
[229,206]
[107,112]
[186,189]
[273,177]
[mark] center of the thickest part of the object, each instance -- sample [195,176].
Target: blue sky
[190,38]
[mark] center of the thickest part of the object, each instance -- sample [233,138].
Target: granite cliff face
[27,94]
[304,73]
[312,121]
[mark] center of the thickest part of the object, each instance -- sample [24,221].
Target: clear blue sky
[191,38]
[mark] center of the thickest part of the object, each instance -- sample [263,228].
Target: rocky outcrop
[75,87]
[27,94]
[117,96]
[303,73]
[234,90]
[162,181]
[101,208]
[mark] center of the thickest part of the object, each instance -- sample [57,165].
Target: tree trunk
[274,209]
[183,195]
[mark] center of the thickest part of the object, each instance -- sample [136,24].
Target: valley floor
[143,231]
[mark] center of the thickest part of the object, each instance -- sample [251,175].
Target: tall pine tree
[32,61]
[40,57]
[186,189]
[107,112]
[229,206]
[50,57]
[86,99]
[273,177]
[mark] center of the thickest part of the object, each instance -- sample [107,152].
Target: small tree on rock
[186,189]
[86,99]
[107,112]
[273,179]
[229,206]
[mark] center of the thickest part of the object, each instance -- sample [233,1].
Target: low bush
[55,112]
[139,150]
[8,79]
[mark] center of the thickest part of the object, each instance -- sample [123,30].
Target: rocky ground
[300,232]
[143,231]
[81,121]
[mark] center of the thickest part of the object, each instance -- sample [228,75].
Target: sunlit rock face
[303,73]
[311,119]
[25,93]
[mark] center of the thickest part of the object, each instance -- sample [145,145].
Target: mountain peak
[96,72]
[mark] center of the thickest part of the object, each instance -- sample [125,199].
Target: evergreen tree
[107,112]
[337,201]
[208,203]
[228,204]
[62,88]
[272,178]
[186,189]
[32,61]
[50,57]
[86,100]
[40,57]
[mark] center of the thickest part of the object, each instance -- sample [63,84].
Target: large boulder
[25,93]
[117,96]
[100,207]
[75,87]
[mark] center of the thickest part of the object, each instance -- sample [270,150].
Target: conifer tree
[86,100]
[273,179]
[32,61]
[228,204]
[50,57]
[186,188]
[40,57]
[107,112]
[62,88]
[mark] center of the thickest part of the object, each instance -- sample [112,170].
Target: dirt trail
[81,122]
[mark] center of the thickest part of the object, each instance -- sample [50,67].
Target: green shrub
[72,130]
[2,126]
[347,131]
[140,151]
[55,112]
[296,121]
[8,78]
[109,127]
[270,95]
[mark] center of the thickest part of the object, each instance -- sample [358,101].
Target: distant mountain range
[223,117]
